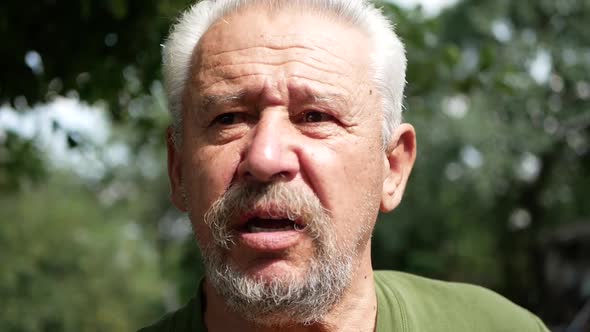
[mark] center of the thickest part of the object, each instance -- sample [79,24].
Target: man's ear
[175,171]
[399,159]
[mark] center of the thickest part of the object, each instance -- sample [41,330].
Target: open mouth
[267,225]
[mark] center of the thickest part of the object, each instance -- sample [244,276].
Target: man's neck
[357,311]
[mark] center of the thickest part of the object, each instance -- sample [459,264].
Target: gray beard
[290,299]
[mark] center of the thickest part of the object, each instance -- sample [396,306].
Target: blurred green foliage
[498,92]
[70,264]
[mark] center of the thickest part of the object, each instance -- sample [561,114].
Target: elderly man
[286,142]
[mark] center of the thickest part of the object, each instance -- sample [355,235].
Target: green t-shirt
[407,303]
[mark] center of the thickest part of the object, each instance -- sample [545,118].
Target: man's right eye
[227,119]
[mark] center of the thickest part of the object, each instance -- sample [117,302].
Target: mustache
[276,199]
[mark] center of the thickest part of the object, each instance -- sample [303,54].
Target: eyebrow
[210,102]
[308,95]
[327,98]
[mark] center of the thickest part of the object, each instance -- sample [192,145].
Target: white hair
[387,56]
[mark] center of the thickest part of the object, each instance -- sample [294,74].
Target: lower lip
[270,241]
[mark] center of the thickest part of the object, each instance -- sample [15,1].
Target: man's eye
[227,119]
[316,116]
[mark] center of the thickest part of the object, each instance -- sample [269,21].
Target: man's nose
[271,153]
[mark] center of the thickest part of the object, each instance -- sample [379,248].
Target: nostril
[274,177]
[282,175]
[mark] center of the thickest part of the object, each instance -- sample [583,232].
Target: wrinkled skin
[288,97]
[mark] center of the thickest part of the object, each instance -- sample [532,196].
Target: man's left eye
[316,116]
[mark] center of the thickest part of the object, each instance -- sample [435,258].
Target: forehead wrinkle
[233,78]
[331,85]
[262,46]
[292,47]
[298,53]
[333,54]
[218,69]
[238,76]
[255,52]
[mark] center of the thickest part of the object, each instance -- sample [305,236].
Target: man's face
[282,98]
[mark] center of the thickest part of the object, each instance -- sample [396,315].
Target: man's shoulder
[428,304]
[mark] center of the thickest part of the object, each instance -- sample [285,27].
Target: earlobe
[175,172]
[398,162]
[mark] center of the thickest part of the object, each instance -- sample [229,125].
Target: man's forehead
[293,50]
[278,28]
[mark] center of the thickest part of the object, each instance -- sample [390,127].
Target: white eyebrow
[329,99]
[209,102]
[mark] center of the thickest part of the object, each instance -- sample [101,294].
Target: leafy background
[499,93]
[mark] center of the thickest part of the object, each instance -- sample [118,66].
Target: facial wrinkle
[276,64]
[307,52]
